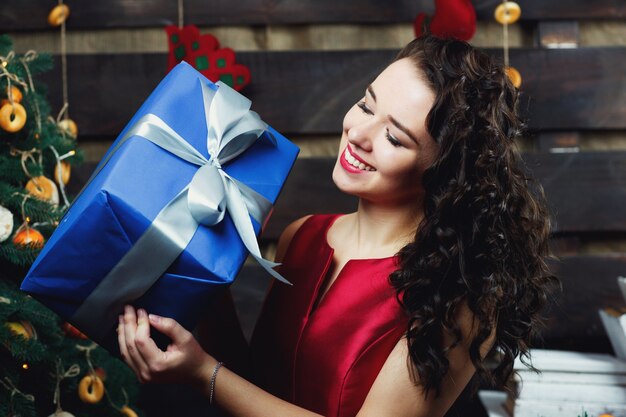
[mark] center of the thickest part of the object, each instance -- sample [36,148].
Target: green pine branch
[30,364]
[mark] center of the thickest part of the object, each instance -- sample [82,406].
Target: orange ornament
[69,127]
[12,117]
[514,76]
[91,389]
[44,189]
[28,236]
[22,328]
[58,15]
[14,93]
[128,412]
[507,13]
[65,169]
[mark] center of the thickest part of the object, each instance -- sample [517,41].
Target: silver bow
[231,129]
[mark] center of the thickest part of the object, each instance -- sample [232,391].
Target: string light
[67,155]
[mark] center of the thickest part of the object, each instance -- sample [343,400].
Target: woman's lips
[352,163]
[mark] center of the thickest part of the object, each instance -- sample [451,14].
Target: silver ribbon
[231,129]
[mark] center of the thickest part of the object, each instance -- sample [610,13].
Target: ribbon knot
[206,197]
[215,162]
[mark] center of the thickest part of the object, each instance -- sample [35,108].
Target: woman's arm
[286,236]
[394,394]
[185,361]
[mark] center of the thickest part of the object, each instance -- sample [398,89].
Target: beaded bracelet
[212,385]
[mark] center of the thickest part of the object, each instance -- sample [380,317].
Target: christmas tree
[46,365]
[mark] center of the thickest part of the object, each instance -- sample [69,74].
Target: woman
[393,307]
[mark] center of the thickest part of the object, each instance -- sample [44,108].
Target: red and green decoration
[203,52]
[452,19]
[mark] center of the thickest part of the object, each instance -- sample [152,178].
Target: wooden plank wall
[570,54]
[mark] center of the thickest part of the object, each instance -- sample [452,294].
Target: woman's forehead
[400,86]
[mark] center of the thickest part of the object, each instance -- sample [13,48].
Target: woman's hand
[184,361]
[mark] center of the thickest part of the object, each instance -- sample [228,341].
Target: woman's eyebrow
[371,91]
[391,119]
[402,128]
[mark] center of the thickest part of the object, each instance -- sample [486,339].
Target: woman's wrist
[202,380]
[212,382]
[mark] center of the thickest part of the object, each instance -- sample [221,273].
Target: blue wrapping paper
[121,202]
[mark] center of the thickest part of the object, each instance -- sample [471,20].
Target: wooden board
[17,15]
[309,92]
[589,283]
[586,191]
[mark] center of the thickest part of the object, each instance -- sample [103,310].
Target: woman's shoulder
[287,235]
[320,222]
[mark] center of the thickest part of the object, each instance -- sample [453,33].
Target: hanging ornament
[22,328]
[61,374]
[28,236]
[13,95]
[514,76]
[128,412]
[12,117]
[73,332]
[203,52]
[58,15]
[507,13]
[65,169]
[91,389]
[452,19]
[44,189]
[68,126]
[6,223]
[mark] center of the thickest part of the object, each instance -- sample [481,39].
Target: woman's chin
[345,184]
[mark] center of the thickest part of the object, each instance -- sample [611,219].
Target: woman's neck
[377,230]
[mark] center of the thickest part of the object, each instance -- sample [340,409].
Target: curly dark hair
[483,241]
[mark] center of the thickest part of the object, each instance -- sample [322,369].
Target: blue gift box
[122,201]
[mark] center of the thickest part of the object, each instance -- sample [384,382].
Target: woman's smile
[353,163]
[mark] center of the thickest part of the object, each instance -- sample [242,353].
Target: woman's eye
[395,142]
[364,107]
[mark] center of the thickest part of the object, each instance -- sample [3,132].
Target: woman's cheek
[351,117]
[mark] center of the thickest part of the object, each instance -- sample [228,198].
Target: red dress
[325,358]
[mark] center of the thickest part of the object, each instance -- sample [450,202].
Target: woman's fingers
[121,338]
[130,332]
[180,362]
[145,345]
[170,328]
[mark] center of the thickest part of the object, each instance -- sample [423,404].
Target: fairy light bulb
[67,155]
[25,366]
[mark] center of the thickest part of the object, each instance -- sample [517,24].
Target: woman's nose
[361,135]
